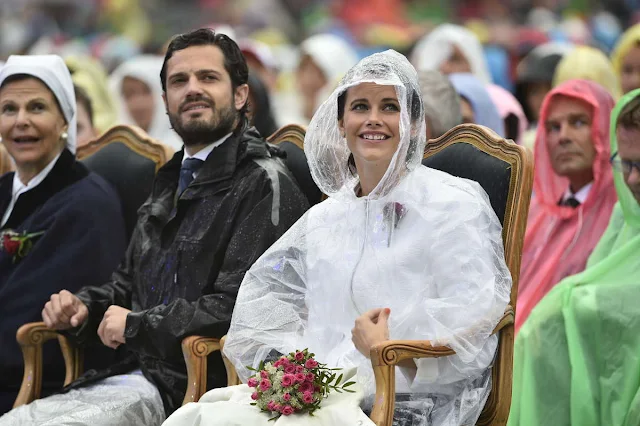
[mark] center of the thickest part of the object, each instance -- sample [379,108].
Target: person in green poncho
[577,357]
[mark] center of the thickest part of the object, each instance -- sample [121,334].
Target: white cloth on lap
[230,406]
[127,399]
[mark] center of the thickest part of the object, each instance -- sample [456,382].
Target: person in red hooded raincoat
[573,189]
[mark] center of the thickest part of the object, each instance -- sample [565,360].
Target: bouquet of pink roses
[295,383]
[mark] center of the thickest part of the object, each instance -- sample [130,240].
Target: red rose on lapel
[18,245]
[10,245]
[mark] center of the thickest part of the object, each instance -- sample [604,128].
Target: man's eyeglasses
[623,166]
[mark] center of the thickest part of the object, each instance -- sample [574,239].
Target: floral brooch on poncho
[393,214]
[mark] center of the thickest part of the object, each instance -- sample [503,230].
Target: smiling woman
[369,118]
[72,216]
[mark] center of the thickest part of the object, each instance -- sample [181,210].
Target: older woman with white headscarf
[398,251]
[138,92]
[61,225]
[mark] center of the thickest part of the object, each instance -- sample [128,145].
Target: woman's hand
[371,328]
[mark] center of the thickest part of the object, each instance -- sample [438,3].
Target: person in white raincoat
[324,60]
[138,93]
[451,49]
[398,251]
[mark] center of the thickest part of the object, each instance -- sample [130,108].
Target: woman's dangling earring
[64,136]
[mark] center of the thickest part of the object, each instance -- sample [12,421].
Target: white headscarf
[436,47]
[52,71]
[333,55]
[145,68]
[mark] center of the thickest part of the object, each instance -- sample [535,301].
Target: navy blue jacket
[82,244]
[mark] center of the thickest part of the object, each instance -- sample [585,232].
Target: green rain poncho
[577,357]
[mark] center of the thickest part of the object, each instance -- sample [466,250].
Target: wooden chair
[290,139]
[129,159]
[134,138]
[505,171]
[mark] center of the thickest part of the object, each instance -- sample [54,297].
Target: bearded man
[215,207]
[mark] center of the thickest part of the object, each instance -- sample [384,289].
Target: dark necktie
[571,202]
[189,167]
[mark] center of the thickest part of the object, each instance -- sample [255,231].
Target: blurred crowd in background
[128,26]
[97,36]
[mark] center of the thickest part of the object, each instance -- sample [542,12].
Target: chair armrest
[386,355]
[232,375]
[31,337]
[73,359]
[195,350]
[392,352]
[507,319]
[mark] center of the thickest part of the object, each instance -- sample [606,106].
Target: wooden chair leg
[73,359]
[195,350]
[31,337]
[232,375]
[384,403]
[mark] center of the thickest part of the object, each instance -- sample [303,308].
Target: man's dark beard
[200,132]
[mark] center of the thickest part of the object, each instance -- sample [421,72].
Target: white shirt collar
[581,195]
[204,152]
[20,188]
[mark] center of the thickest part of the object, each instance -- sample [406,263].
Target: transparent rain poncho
[423,243]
